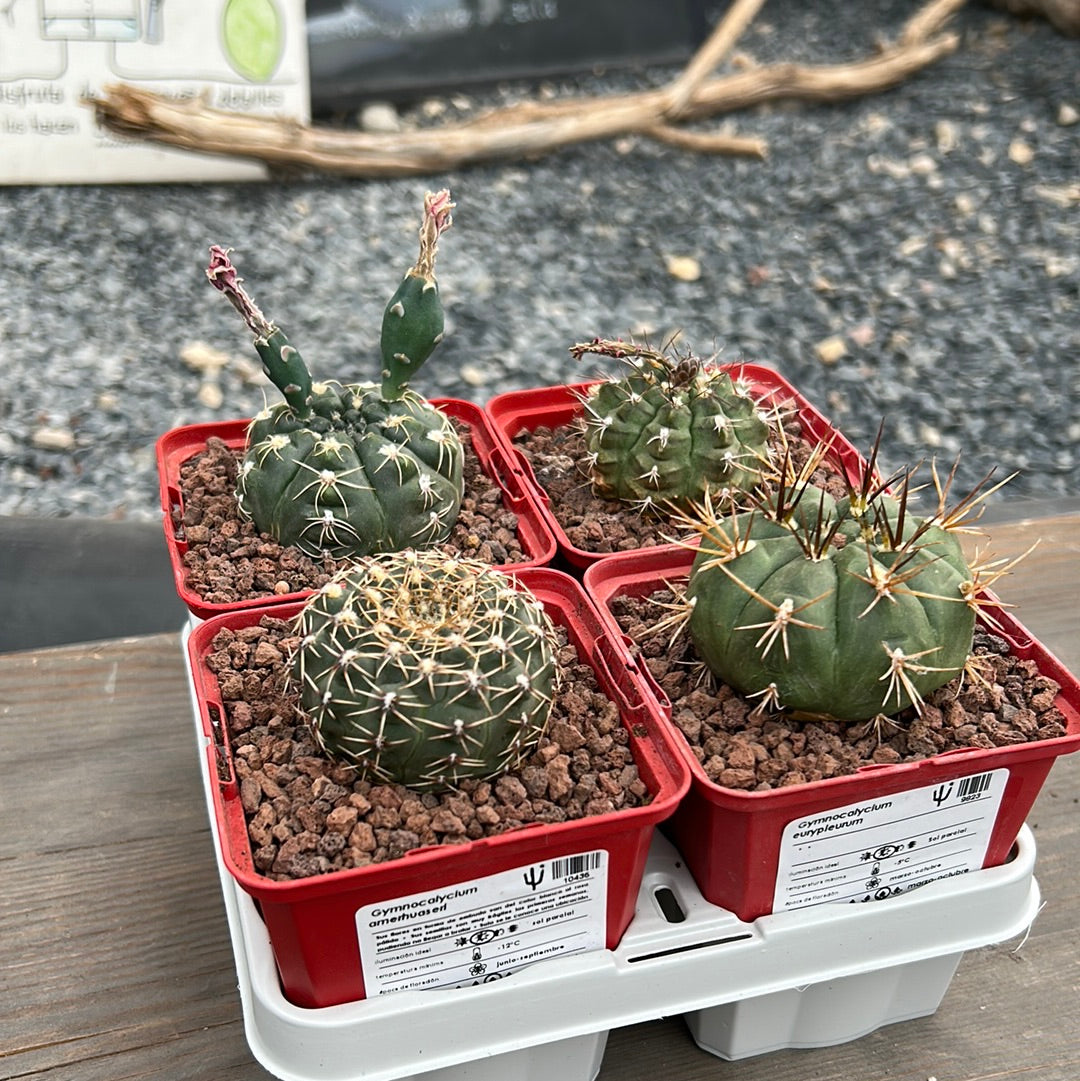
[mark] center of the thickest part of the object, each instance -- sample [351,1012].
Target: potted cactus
[861,714]
[650,442]
[862,605]
[336,471]
[428,734]
[670,430]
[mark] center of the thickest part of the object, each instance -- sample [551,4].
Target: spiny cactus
[353,469]
[851,609]
[424,669]
[669,430]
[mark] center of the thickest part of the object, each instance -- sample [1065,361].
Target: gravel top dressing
[912,255]
[308,815]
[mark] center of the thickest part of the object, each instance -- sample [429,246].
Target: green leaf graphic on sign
[253,37]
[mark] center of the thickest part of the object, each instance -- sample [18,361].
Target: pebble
[922,165]
[474,376]
[683,268]
[210,394]
[53,439]
[380,116]
[830,350]
[1020,152]
[200,357]
[1067,115]
[947,136]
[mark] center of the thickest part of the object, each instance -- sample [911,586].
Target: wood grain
[114,951]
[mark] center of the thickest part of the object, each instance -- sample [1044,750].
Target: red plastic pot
[178,445]
[312,922]
[516,412]
[736,843]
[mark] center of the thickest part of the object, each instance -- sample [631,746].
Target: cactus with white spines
[424,670]
[670,430]
[348,470]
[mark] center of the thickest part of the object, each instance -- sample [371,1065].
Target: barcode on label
[575,865]
[973,786]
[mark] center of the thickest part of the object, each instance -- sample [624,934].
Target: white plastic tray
[811,977]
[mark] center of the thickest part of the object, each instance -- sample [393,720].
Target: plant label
[240,55]
[883,846]
[486,928]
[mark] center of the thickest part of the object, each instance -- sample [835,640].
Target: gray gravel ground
[930,235]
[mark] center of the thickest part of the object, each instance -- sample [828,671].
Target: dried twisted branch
[535,128]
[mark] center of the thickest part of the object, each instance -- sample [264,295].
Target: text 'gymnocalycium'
[348,470]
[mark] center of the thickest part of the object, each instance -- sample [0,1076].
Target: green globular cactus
[850,609]
[669,431]
[425,670]
[348,470]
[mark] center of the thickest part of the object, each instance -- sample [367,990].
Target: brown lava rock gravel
[228,560]
[308,815]
[602,526]
[740,750]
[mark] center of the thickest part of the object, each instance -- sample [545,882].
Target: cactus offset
[424,670]
[670,430]
[851,609]
[349,470]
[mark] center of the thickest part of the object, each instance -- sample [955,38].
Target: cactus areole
[669,430]
[843,609]
[425,670]
[349,470]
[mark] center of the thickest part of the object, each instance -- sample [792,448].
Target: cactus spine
[424,670]
[850,609]
[349,470]
[670,430]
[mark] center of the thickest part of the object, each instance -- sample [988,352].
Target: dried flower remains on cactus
[353,469]
[424,670]
[670,430]
[851,609]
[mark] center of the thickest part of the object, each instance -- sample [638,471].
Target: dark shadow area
[66,580]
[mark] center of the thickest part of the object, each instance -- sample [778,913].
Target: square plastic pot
[180,444]
[516,412]
[312,922]
[743,847]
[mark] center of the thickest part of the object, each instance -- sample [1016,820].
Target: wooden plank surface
[114,953]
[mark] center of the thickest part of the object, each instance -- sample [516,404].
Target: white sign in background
[881,847]
[244,55]
[486,928]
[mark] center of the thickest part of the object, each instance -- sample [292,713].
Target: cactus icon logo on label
[252,37]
